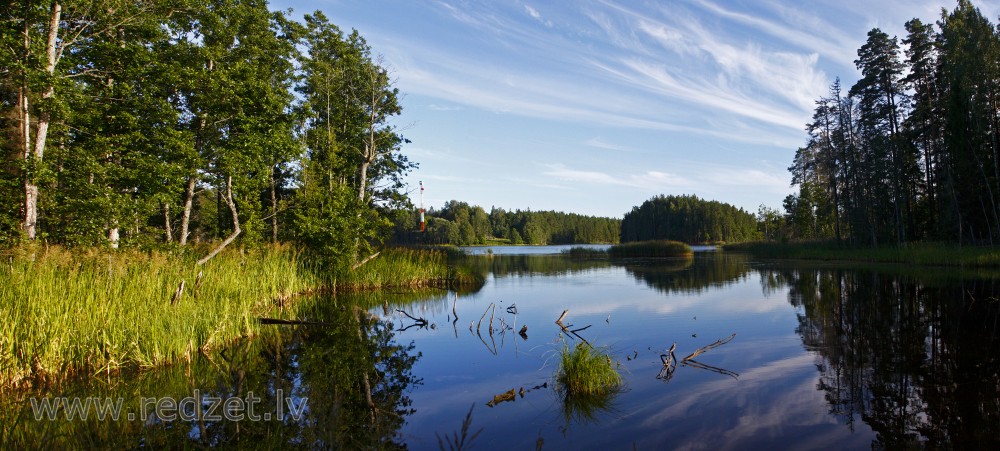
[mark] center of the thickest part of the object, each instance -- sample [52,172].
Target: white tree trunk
[188,204]
[236,223]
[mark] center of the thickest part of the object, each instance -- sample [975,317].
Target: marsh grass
[97,311]
[930,254]
[650,249]
[586,371]
[411,268]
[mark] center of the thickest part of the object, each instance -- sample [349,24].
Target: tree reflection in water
[353,376]
[915,357]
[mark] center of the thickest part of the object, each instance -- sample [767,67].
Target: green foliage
[650,249]
[585,371]
[688,219]
[79,311]
[910,152]
[462,224]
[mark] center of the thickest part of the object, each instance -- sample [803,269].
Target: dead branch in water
[710,347]
[669,364]
[714,369]
[480,323]
[561,317]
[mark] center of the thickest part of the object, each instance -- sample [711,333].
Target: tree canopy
[910,151]
[688,219]
[175,121]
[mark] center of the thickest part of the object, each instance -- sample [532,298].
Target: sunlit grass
[409,268]
[585,371]
[98,311]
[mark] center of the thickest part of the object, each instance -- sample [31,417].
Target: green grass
[95,311]
[98,311]
[650,249]
[585,371]
[928,253]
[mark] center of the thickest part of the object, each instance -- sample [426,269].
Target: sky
[593,106]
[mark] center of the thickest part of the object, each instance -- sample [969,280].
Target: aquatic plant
[650,249]
[586,371]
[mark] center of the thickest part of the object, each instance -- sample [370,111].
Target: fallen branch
[710,347]
[480,323]
[559,321]
[366,260]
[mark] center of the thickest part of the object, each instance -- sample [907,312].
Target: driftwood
[503,397]
[480,323]
[710,347]
[669,364]
[512,394]
[571,333]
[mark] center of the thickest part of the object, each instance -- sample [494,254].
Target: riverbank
[928,254]
[98,311]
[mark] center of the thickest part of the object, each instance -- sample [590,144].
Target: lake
[824,356]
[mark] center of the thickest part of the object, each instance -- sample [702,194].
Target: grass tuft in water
[585,371]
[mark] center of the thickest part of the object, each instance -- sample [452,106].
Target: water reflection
[914,359]
[847,357]
[682,276]
[351,380]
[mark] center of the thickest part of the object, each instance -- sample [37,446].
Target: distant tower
[423,225]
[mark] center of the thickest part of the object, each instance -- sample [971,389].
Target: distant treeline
[461,224]
[688,219]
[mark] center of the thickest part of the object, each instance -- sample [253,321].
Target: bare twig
[710,347]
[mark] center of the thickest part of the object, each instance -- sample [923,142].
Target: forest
[911,151]
[139,123]
[461,224]
[688,219]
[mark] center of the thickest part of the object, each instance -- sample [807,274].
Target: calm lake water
[832,357]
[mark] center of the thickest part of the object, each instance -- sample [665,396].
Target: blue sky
[593,107]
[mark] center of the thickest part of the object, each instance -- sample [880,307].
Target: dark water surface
[829,357]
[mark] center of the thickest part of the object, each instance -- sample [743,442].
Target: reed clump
[398,268]
[586,372]
[95,311]
[650,249]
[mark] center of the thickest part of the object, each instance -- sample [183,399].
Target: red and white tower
[423,225]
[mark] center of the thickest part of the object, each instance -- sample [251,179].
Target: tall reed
[67,312]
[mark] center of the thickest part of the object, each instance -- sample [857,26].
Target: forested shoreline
[910,151]
[461,224]
[170,122]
